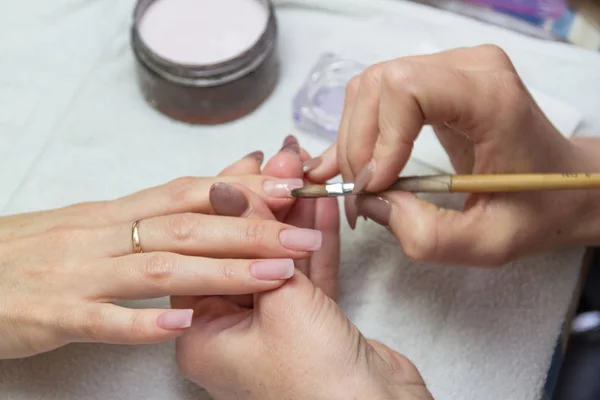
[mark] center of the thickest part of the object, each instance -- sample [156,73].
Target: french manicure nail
[227,200]
[282,187]
[364,177]
[351,213]
[175,319]
[272,270]
[312,164]
[375,208]
[290,144]
[301,239]
[259,156]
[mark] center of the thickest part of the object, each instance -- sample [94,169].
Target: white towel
[73,127]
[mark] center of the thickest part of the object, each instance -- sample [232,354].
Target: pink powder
[201,32]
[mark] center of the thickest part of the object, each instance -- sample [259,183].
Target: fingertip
[273,270]
[175,320]
[257,156]
[228,200]
[304,155]
[322,168]
[237,200]
[284,164]
[351,211]
[248,165]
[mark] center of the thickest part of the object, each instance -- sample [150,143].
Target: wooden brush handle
[523,183]
[497,183]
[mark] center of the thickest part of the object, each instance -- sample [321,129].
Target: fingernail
[364,177]
[272,270]
[291,145]
[351,213]
[259,156]
[375,208]
[301,239]
[311,164]
[175,319]
[282,187]
[227,200]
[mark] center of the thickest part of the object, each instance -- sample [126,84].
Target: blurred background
[574,21]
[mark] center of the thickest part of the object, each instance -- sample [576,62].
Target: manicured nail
[301,239]
[375,208]
[290,144]
[227,200]
[364,177]
[311,164]
[282,187]
[259,156]
[175,319]
[350,209]
[272,270]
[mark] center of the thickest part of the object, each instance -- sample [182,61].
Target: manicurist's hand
[61,270]
[292,342]
[488,123]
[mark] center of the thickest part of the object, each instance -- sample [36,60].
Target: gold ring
[135,238]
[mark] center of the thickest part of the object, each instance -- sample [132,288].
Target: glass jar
[207,94]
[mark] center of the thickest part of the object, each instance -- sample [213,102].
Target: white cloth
[73,127]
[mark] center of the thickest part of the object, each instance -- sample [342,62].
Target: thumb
[296,305]
[432,234]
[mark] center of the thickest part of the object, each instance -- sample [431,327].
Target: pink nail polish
[272,270]
[312,164]
[175,319]
[364,177]
[351,211]
[301,239]
[282,187]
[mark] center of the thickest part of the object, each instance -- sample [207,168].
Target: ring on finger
[135,238]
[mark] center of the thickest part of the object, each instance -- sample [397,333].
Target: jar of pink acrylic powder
[205,61]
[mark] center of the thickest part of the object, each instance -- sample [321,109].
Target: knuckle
[228,272]
[181,227]
[158,267]
[62,237]
[502,249]
[182,190]
[495,55]
[418,249]
[352,87]
[92,323]
[106,211]
[399,75]
[421,245]
[136,328]
[100,211]
[39,270]
[513,95]
[254,233]
[372,77]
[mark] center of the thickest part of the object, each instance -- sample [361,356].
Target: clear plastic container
[319,103]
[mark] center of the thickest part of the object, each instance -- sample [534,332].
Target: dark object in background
[208,94]
[579,376]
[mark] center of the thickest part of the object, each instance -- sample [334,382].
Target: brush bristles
[313,191]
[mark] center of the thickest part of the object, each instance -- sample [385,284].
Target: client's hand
[294,343]
[488,123]
[61,269]
[303,213]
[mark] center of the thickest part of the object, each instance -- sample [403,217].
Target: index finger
[413,94]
